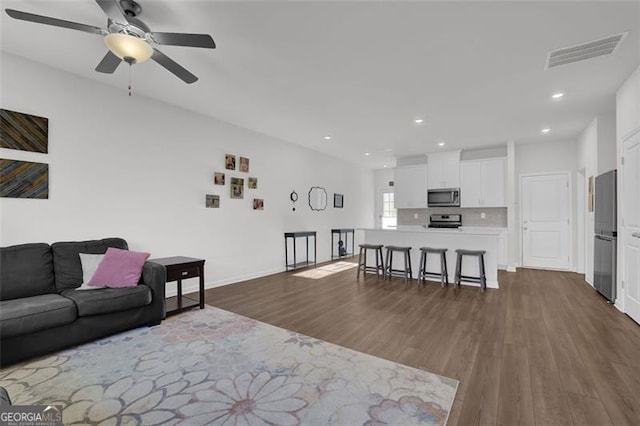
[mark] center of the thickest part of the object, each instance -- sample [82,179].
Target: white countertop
[459,231]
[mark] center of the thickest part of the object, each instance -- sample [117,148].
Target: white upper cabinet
[628,106]
[443,170]
[482,183]
[410,187]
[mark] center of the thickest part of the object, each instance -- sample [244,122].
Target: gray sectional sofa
[41,311]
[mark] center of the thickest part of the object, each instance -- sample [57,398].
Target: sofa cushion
[106,300]
[119,268]
[26,270]
[31,314]
[66,259]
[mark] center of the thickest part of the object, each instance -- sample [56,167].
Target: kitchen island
[451,239]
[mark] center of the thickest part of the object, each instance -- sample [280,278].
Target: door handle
[636,234]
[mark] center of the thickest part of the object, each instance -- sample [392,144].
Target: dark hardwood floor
[544,349]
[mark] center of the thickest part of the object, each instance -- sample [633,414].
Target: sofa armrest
[154,276]
[4,397]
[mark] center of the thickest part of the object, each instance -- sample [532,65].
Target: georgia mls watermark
[31,415]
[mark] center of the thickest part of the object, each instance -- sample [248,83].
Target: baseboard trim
[192,287]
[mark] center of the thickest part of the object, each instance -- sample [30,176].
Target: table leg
[307,238]
[353,238]
[286,253]
[179,293]
[201,287]
[332,244]
[315,251]
[294,253]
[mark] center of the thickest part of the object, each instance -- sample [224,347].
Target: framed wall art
[258,204]
[24,179]
[338,201]
[230,162]
[218,178]
[23,132]
[244,165]
[236,191]
[252,183]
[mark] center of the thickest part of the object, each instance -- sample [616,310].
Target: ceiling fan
[128,38]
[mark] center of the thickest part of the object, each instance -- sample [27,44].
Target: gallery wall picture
[212,201]
[218,178]
[338,201]
[258,204]
[237,188]
[23,131]
[24,179]
[244,164]
[252,183]
[230,162]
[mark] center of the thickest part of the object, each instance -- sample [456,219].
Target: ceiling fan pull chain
[129,78]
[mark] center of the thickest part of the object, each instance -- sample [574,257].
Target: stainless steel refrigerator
[606,233]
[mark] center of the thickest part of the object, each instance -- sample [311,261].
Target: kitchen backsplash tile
[495,217]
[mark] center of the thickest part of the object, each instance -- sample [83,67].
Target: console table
[293,236]
[341,232]
[180,268]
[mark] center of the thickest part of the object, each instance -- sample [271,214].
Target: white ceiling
[362,71]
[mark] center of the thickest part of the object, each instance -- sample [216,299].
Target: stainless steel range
[445,221]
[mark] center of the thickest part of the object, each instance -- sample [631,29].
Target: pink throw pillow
[119,268]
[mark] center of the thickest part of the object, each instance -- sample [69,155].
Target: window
[389,212]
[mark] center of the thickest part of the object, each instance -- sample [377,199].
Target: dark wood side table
[293,235]
[180,268]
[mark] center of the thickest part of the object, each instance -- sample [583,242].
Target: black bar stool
[407,273]
[443,274]
[482,279]
[362,260]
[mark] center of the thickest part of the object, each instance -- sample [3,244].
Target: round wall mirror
[317,198]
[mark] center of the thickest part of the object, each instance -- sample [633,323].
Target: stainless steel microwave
[445,197]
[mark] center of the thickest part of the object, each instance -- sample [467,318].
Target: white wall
[545,157]
[139,169]
[606,142]
[588,161]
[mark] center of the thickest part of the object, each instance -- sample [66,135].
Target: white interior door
[545,221]
[631,227]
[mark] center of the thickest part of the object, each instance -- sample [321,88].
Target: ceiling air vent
[584,51]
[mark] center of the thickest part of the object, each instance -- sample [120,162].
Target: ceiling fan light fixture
[129,48]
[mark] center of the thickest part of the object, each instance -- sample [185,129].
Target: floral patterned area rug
[214,367]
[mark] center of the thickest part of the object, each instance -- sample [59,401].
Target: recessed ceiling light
[546,130]
[367,154]
[327,137]
[557,95]
[441,143]
[384,166]
[418,120]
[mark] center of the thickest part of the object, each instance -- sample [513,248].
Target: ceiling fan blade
[183,39]
[111,9]
[173,67]
[39,19]
[109,63]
